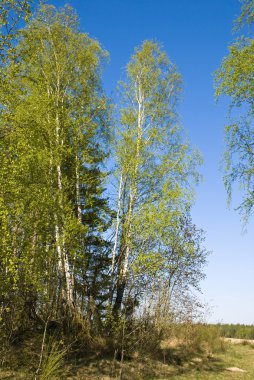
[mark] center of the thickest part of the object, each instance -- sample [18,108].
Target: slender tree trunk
[124,264]
[62,254]
[117,225]
[79,211]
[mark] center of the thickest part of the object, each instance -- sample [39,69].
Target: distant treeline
[236,331]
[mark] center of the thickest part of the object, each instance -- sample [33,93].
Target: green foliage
[247,13]
[52,119]
[12,13]
[235,79]
[59,267]
[157,168]
[53,360]
[239,331]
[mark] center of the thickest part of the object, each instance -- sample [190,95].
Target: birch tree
[153,163]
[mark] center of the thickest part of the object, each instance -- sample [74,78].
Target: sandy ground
[239,341]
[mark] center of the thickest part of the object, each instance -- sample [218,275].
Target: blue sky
[195,34]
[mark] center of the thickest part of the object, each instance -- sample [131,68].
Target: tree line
[238,331]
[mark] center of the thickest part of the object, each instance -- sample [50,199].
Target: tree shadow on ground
[95,367]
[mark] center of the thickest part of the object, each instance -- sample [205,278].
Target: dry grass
[185,356]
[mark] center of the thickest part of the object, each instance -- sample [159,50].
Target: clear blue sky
[195,34]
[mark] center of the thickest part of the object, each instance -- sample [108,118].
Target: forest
[98,251]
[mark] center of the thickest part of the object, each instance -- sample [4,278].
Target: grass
[240,356]
[53,361]
[176,363]
[198,368]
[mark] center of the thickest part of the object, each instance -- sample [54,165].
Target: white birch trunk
[79,211]
[117,224]
[61,245]
[134,188]
[79,215]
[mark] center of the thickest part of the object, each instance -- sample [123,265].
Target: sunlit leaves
[235,78]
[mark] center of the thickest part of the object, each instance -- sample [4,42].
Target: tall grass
[53,360]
